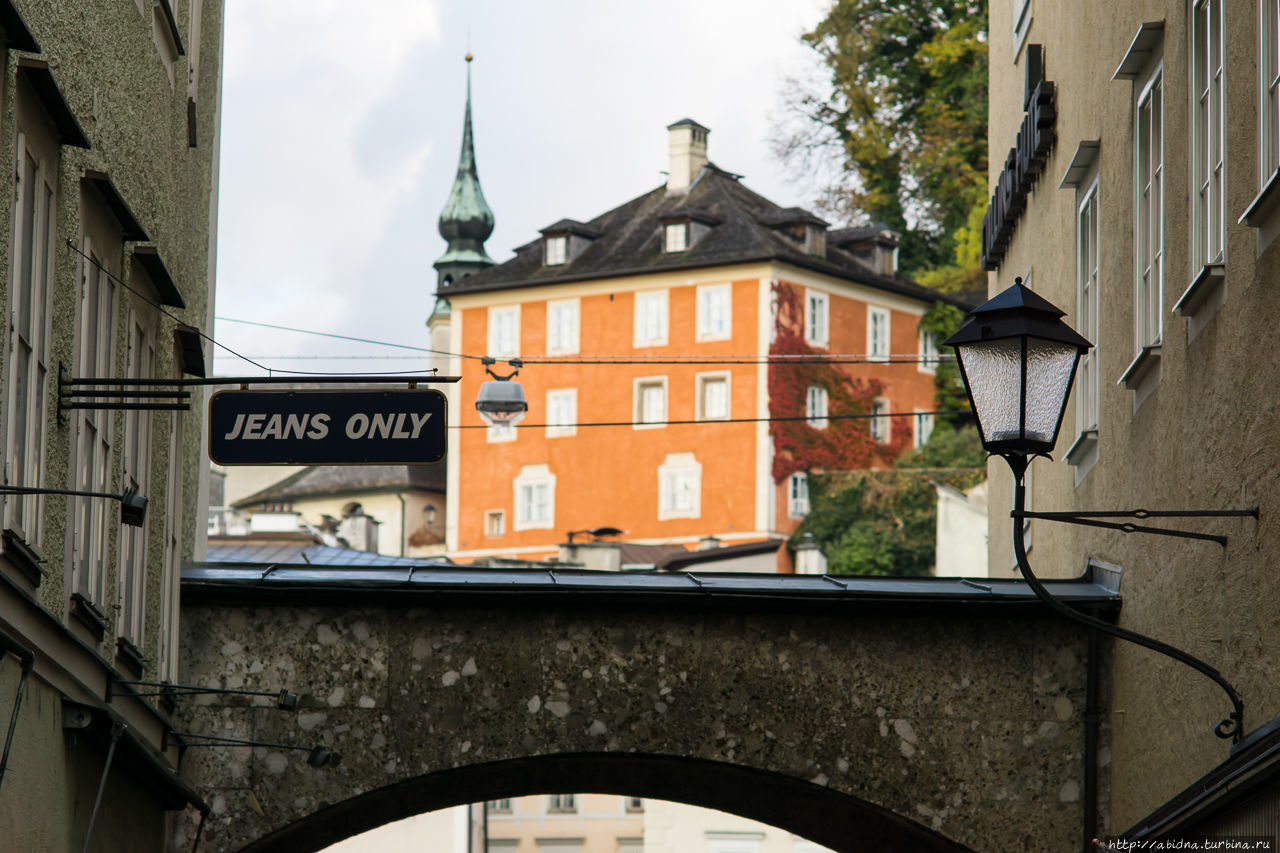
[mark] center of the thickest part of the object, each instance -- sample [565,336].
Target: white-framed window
[1268,91]
[923,427]
[651,318]
[498,806]
[1149,216]
[650,402]
[562,326]
[94,430]
[633,805]
[535,498]
[495,524]
[1089,384]
[1021,24]
[31,264]
[1208,135]
[562,412]
[928,349]
[135,476]
[557,250]
[877,333]
[816,318]
[679,487]
[676,236]
[562,804]
[880,421]
[815,406]
[713,396]
[715,312]
[504,331]
[171,562]
[798,495]
[734,842]
[499,433]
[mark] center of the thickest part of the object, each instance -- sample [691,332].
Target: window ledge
[1084,444]
[1266,203]
[128,654]
[1200,289]
[88,615]
[1140,367]
[23,557]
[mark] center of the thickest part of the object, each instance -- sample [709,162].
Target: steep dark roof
[319,480]
[631,243]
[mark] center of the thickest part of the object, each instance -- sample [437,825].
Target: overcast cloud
[341,126]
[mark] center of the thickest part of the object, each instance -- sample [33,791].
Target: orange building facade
[643,340]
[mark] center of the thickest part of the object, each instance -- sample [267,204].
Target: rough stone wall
[968,726]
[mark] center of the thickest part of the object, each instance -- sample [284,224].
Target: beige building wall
[1201,431]
[566,823]
[444,831]
[679,828]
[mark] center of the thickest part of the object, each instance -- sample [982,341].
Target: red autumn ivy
[845,444]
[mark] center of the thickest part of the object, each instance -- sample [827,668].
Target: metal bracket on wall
[1093,519]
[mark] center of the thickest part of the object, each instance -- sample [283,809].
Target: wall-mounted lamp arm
[1093,519]
[27,658]
[1232,727]
[285,700]
[317,756]
[133,506]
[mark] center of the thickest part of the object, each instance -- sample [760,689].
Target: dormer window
[677,236]
[557,250]
[683,226]
[815,240]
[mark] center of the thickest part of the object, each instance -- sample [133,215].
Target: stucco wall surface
[968,726]
[1205,437]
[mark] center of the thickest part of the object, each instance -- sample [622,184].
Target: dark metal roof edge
[16,32]
[814,264]
[726,552]
[1238,777]
[418,580]
[130,226]
[40,78]
[149,256]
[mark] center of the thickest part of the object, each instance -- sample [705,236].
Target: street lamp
[1018,360]
[500,401]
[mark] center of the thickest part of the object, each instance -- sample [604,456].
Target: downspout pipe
[1091,724]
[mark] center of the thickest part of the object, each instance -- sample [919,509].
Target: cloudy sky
[341,125]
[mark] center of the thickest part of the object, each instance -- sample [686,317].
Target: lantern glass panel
[1050,368]
[993,370]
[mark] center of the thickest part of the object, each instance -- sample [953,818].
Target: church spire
[466,221]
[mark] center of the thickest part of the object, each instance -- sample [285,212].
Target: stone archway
[820,814]
[960,722]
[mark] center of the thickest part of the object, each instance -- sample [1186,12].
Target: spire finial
[466,221]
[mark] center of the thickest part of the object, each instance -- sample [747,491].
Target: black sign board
[400,427]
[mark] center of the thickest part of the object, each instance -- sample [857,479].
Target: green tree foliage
[906,109]
[885,522]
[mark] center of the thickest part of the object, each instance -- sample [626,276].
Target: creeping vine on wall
[844,445]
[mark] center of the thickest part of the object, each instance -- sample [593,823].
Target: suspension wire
[779,418]
[773,358]
[160,308]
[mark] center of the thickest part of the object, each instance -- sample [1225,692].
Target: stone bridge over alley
[863,714]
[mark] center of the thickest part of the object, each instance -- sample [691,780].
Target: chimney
[688,147]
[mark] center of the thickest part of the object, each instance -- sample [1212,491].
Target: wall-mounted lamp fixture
[429,512]
[1018,360]
[133,506]
[317,756]
[285,700]
[500,401]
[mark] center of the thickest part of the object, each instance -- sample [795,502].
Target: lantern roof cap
[1021,297]
[1016,312]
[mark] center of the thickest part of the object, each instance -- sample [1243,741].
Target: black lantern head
[1018,360]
